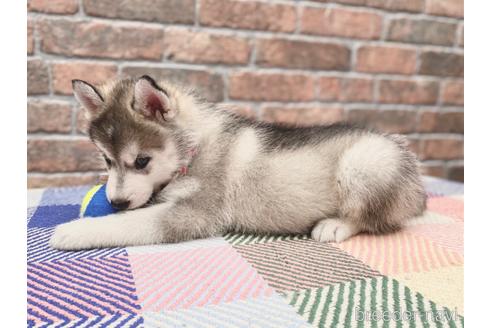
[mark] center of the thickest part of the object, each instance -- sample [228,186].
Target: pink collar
[184,169]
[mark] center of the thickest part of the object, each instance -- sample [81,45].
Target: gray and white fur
[245,176]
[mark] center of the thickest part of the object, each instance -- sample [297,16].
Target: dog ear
[151,100]
[88,96]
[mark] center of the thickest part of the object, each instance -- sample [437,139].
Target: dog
[181,168]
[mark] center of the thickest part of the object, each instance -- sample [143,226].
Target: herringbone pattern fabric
[413,278]
[302,264]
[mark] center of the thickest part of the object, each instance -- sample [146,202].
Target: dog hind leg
[333,230]
[378,188]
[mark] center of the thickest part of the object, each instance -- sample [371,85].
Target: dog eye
[141,162]
[107,160]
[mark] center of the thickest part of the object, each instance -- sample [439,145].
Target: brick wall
[396,65]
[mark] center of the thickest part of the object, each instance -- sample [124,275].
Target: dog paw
[333,230]
[69,236]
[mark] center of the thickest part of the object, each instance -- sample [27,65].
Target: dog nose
[120,204]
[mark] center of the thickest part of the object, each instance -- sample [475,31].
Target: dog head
[131,122]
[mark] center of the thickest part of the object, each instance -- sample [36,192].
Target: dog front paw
[70,236]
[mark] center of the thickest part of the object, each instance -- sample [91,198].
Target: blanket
[412,278]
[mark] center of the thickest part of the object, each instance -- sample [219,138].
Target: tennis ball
[95,203]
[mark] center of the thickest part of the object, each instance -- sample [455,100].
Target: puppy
[181,168]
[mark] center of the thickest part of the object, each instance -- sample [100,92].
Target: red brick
[392,5]
[441,64]
[381,59]
[433,169]
[453,93]
[37,77]
[102,40]
[345,89]
[390,121]
[456,173]
[210,85]
[64,73]
[53,6]
[302,116]
[30,37]
[49,116]
[271,86]
[300,54]
[441,149]
[201,47]
[70,179]
[163,11]
[408,92]
[452,8]
[397,5]
[248,15]
[341,22]
[450,122]
[422,31]
[57,155]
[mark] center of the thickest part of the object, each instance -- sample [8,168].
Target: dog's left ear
[151,100]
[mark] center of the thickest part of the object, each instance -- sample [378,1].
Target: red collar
[184,169]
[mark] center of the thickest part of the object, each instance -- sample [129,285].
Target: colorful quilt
[413,278]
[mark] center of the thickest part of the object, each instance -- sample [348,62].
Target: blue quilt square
[30,213]
[82,292]
[64,196]
[436,187]
[50,216]
[39,249]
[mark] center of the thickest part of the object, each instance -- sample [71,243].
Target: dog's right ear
[151,100]
[88,97]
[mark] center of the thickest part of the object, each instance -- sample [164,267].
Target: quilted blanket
[413,278]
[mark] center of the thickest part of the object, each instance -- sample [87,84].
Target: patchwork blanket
[413,278]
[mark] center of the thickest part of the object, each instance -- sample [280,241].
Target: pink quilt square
[400,252]
[448,206]
[450,236]
[194,277]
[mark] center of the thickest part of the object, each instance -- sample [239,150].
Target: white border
[478,168]
[13,163]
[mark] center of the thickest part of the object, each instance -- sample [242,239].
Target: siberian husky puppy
[181,168]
